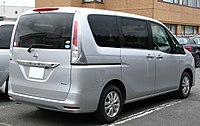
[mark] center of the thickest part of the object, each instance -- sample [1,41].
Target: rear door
[5,35]
[40,63]
[138,61]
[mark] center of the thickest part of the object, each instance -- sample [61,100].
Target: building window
[180,2]
[190,3]
[182,30]
[172,28]
[100,1]
[185,2]
[170,1]
[198,3]
[85,1]
[194,3]
[176,1]
[195,30]
[189,30]
[89,1]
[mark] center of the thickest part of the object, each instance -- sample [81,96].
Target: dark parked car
[192,44]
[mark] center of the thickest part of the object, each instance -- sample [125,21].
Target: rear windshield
[45,28]
[5,35]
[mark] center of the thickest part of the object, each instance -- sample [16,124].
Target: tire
[110,105]
[197,60]
[6,89]
[43,109]
[185,85]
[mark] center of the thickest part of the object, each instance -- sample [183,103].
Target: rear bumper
[87,83]
[68,105]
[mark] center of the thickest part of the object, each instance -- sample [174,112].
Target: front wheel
[185,85]
[110,104]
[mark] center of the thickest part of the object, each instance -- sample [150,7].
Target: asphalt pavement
[165,110]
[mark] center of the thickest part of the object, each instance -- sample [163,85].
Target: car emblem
[35,56]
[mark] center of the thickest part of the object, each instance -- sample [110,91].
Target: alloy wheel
[185,85]
[112,104]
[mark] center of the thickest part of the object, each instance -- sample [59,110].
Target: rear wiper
[39,46]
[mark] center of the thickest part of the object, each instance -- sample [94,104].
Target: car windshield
[45,28]
[183,41]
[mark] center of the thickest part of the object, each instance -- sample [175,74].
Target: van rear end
[40,65]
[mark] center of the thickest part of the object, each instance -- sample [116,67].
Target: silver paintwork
[142,72]
[4,63]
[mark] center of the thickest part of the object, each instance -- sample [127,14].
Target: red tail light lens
[189,48]
[45,9]
[75,34]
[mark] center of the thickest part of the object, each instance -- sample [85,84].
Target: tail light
[75,34]
[77,53]
[189,48]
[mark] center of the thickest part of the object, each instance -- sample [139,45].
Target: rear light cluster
[78,56]
[189,48]
[75,39]
[75,34]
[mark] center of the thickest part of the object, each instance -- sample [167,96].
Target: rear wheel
[185,85]
[197,60]
[110,105]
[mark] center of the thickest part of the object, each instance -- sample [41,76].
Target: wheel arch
[119,84]
[189,71]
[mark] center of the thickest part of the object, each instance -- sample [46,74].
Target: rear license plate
[36,72]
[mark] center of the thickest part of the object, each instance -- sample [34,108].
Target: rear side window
[105,30]
[5,36]
[134,33]
[45,28]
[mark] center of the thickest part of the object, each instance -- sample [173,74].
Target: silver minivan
[80,60]
[5,35]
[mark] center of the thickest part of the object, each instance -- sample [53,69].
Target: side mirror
[179,49]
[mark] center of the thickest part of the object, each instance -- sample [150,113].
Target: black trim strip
[87,64]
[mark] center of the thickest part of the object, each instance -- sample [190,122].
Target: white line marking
[4,124]
[143,113]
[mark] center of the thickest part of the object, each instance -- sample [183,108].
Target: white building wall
[12,12]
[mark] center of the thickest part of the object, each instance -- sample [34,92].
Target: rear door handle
[159,57]
[149,56]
